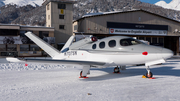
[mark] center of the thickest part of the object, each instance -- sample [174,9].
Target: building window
[22,33]
[148,39]
[141,38]
[48,7]
[75,27]
[61,6]
[11,47]
[12,32]
[48,17]
[24,47]
[61,16]
[61,26]
[154,40]
[2,47]
[43,34]
[34,48]
[161,40]
[12,54]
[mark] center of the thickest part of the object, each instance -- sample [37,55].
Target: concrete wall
[98,24]
[48,15]
[61,35]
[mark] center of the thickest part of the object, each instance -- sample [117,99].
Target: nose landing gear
[149,74]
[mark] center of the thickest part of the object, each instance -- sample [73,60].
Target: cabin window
[101,44]
[129,41]
[94,46]
[112,43]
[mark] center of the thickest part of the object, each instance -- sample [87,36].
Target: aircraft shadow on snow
[129,72]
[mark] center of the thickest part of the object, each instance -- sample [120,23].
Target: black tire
[149,76]
[116,70]
[81,75]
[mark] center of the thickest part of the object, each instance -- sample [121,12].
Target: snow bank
[22,67]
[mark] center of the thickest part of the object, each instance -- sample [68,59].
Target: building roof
[61,1]
[118,12]
[25,27]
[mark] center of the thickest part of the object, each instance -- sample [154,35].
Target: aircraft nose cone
[166,53]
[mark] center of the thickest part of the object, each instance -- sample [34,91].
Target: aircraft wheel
[116,70]
[150,75]
[81,75]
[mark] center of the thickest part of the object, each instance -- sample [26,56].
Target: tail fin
[68,43]
[42,44]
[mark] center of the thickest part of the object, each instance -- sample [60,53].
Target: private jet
[113,51]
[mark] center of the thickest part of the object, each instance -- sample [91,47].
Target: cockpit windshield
[129,42]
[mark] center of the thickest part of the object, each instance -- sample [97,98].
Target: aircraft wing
[65,61]
[53,61]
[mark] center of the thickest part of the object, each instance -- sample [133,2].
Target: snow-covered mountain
[2,3]
[35,15]
[23,2]
[174,4]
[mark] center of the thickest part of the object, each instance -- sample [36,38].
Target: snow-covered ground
[60,83]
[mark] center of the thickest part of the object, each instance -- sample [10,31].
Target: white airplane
[90,52]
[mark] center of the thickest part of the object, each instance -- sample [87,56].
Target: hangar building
[141,24]
[59,18]
[13,41]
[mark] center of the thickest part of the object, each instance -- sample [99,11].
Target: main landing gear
[81,75]
[116,70]
[85,72]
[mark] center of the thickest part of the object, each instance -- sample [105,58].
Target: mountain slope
[10,12]
[94,6]
[36,16]
[2,3]
[30,15]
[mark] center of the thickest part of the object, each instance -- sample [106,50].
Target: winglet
[42,44]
